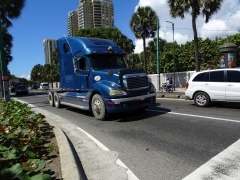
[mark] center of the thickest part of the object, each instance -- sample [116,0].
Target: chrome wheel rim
[97,107]
[201,100]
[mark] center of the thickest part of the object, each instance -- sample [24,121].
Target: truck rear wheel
[56,100]
[50,99]
[98,107]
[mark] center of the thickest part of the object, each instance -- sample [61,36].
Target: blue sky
[43,19]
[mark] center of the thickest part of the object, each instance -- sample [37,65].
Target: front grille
[135,81]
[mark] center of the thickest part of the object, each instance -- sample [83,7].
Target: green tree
[143,25]
[37,73]
[54,57]
[8,10]
[55,66]
[7,41]
[24,81]
[206,8]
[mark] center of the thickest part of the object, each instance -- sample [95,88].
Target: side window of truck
[83,64]
[65,47]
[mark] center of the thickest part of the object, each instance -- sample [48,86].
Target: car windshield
[21,87]
[107,62]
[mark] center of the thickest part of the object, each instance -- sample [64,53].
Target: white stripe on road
[130,174]
[192,115]
[224,166]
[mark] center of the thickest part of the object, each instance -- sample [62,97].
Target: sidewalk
[178,93]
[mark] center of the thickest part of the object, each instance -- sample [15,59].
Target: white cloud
[139,45]
[26,76]
[223,23]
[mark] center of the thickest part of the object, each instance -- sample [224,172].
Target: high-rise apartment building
[95,13]
[72,23]
[50,45]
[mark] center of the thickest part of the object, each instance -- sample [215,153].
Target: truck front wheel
[98,107]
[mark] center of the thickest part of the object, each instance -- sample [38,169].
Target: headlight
[153,89]
[116,92]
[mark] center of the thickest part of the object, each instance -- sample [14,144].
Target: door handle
[230,85]
[205,84]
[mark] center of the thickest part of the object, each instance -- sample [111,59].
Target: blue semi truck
[94,76]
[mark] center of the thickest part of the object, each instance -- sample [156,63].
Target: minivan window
[233,76]
[217,76]
[202,77]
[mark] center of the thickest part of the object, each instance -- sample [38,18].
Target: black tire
[56,100]
[201,99]
[50,99]
[98,107]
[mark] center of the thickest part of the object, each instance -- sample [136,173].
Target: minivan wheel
[201,99]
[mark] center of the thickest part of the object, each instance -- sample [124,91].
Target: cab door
[84,74]
[233,85]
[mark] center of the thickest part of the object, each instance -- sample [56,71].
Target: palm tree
[143,25]
[205,8]
[8,9]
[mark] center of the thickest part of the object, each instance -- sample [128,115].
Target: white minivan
[214,85]
[44,86]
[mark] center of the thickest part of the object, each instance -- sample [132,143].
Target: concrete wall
[180,77]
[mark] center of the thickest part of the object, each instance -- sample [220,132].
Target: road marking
[192,115]
[224,166]
[130,174]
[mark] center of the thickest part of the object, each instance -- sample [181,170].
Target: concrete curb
[170,95]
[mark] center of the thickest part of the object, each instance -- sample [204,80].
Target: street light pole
[174,81]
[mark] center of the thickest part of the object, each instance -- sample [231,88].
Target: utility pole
[158,64]
[5,90]
[174,74]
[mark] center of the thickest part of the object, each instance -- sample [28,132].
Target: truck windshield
[107,62]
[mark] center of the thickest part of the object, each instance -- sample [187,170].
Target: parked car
[21,89]
[13,85]
[214,85]
[34,87]
[44,86]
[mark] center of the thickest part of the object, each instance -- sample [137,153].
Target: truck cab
[94,76]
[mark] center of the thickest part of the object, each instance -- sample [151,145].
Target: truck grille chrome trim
[135,81]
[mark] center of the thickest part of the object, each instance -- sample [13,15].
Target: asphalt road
[168,141]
